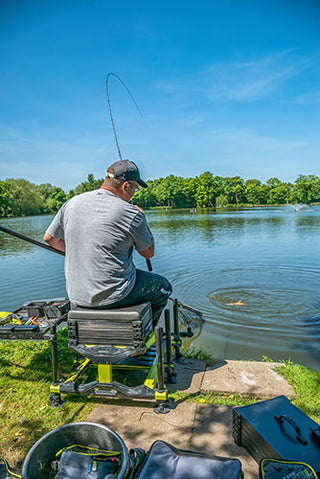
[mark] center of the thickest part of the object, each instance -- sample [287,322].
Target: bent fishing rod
[149,265]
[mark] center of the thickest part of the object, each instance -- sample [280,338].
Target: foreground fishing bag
[78,462]
[164,461]
[280,469]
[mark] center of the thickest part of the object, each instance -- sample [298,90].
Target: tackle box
[50,308]
[35,322]
[35,308]
[277,429]
[56,308]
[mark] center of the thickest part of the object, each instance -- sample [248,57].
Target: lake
[265,258]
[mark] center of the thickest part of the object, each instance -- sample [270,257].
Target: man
[98,231]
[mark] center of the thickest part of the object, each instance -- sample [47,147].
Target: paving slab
[212,434]
[190,373]
[197,427]
[249,378]
[141,426]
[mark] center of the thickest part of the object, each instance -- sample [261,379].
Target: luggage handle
[284,417]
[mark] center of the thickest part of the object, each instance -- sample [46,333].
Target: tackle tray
[40,322]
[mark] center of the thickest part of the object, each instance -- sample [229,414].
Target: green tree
[273,183]
[25,199]
[89,185]
[58,197]
[5,199]
[205,193]
[302,190]
[145,197]
[45,191]
[252,191]
[279,194]
[233,189]
[315,189]
[71,194]
[221,201]
[190,189]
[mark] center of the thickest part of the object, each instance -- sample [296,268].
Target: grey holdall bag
[164,461]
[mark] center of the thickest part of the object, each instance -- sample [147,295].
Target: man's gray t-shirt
[100,231]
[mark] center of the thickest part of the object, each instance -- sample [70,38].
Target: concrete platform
[199,427]
[248,378]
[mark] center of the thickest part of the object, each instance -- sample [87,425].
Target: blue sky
[231,87]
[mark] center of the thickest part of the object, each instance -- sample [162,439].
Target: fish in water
[236,303]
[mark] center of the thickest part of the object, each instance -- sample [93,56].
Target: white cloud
[240,81]
[249,81]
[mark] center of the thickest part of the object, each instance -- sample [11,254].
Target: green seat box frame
[122,338]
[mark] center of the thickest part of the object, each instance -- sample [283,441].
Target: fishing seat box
[110,333]
[277,429]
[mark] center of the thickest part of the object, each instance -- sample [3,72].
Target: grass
[25,413]
[196,352]
[306,384]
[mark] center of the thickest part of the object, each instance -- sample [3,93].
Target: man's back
[100,230]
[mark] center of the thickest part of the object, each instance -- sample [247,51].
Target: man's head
[125,170]
[123,178]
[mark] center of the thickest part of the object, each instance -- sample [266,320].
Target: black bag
[164,461]
[276,428]
[280,469]
[78,462]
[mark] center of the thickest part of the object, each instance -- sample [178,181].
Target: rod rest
[106,336]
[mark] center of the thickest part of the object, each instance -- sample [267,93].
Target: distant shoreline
[172,208]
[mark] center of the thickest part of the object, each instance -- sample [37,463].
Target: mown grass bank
[25,413]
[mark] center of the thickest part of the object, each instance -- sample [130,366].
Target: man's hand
[140,209]
[55,243]
[147,253]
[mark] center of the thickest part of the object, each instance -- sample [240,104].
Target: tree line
[20,197]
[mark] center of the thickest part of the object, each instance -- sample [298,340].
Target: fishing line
[110,110]
[113,125]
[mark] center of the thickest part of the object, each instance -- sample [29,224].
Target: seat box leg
[105,373]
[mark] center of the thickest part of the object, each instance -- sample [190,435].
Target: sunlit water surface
[266,258]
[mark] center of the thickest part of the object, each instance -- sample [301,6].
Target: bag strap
[136,458]
[308,471]
[11,471]
[88,451]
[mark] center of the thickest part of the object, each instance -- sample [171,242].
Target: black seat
[109,335]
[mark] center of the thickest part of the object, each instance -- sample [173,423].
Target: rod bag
[164,461]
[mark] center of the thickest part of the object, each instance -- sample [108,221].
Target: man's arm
[55,243]
[147,253]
